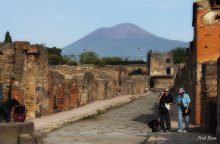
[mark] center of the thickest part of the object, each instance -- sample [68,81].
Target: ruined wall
[163,81]
[6,67]
[208,97]
[71,87]
[136,84]
[26,75]
[159,64]
[205,47]
[134,67]
[24,72]
[206,44]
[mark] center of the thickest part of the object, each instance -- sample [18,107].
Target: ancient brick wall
[71,87]
[25,72]
[206,45]
[208,97]
[207,32]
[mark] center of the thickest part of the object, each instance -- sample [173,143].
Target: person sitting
[5,108]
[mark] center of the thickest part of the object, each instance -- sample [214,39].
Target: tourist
[5,108]
[183,102]
[165,100]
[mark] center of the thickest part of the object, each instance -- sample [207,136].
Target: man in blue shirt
[183,102]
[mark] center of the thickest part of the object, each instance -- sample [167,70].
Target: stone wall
[19,133]
[162,81]
[71,86]
[7,53]
[159,63]
[187,78]
[44,90]
[203,48]
[208,97]
[27,75]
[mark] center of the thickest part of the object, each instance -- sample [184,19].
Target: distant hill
[122,40]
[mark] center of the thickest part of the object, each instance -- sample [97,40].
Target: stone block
[25,139]
[33,49]
[38,137]
[23,45]
[25,127]
[8,134]
[102,86]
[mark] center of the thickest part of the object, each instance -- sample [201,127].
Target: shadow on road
[145,118]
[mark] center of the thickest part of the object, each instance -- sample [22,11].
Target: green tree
[55,60]
[70,60]
[54,50]
[8,38]
[179,55]
[55,57]
[88,57]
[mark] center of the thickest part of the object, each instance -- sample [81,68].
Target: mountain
[122,40]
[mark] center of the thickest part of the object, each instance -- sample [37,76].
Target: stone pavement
[47,124]
[124,125]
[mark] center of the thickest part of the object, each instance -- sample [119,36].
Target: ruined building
[160,69]
[199,75]
[44,89]
[24,72]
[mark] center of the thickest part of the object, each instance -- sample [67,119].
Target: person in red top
[5,108]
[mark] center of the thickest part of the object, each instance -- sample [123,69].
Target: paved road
[124,125]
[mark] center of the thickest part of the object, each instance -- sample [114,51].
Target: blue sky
[62,22]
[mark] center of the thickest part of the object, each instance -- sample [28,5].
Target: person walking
[183,101]
[165,100]
[5,108]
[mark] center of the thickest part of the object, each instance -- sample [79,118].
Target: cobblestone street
[126,124]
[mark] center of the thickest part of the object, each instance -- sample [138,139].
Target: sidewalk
[47,124]
[194,136]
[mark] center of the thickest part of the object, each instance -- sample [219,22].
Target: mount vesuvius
[122,40]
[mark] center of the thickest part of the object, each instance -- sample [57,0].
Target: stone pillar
[7,53]
[208,97]
[102,86]
[197,102]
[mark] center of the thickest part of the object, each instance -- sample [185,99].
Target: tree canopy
[55,57]
[88,57]
[179,55]
[8,38]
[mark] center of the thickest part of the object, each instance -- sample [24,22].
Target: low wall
[162,81]
[19,133]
